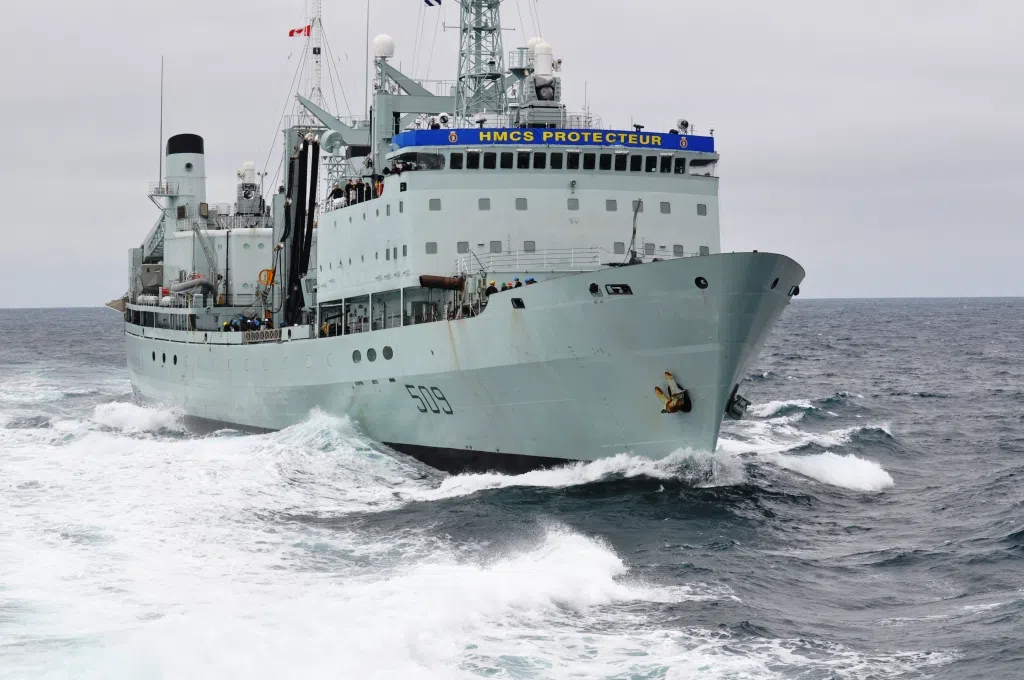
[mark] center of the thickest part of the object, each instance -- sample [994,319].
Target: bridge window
[638,206]
[666,164]
[387,253]
[666,208]
[611,205]
[483,204]
[677,250]
[462,247]
[473,160]
[702,209]
[523,160]
[422,161]
[652,164]
[431,247]
[490,160]
[620,248]
[572,160]
[556,160]
[405,252]
[621,160]
[529,246]
[520,204]
[394,252]
[605,161]
[435,204]
[495,246]
[455,162]
[574,204]
[506,160]
[589,161]
[702,166]
[540,160]
[648,249]
[680,167]
[636,163]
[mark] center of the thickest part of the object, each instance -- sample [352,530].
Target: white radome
[383,46]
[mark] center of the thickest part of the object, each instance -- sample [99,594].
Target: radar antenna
[481,80]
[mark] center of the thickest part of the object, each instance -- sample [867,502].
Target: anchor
[674,402]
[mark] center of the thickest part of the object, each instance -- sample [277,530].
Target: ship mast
[481,81]
[316,38]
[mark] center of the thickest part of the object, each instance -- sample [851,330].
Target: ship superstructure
[380,292]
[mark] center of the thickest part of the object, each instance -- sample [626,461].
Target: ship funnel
[185,183]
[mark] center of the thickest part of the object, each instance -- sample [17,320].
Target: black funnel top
[186,143]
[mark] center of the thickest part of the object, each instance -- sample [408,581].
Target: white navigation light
[383,47]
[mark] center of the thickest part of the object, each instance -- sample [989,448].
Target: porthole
[371,354]
[700,282]
[154,356]
[388,353]
[163,358]
[175,359]
[245,246]
[356,357]
[775,283]
[188,166]
[260,246]
[289,333]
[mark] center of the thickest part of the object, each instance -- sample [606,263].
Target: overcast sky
[880,142]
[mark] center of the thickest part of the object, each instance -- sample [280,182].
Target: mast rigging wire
[280,118]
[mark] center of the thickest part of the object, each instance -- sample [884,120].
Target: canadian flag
[300,32]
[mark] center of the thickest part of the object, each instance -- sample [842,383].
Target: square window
[523,160]
[431,247]
[621,161]
[520,204]
[677,250]
[572,160]
[556,160]
[652,164]
[620,248]
[638,205]
[483,204]
[490,160]
[435,204]
[506,160]
[495,246]
[462,247]
[401,206]
[529,246]
[704,250]
[666,164]
[387,254]
[589,161]
[455,162]
[540,160]
[680,167]
[394,252]
[666,208]
[405,251]
[574,204]
[702,209]
[611,205]
[648,249]
[636,163]
[473,160]
[605,161]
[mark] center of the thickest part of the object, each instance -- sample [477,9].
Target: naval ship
[477,276]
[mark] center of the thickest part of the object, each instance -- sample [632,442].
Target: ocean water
[866,521]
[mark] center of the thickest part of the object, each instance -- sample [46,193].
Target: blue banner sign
[524,136]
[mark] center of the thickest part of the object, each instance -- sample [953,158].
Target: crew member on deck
[519,284]
[491,290]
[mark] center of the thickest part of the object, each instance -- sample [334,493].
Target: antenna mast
[160,175]
[481,80]
[316,39]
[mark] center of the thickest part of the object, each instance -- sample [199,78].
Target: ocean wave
[846,471]
[132,418]
[696,468]
[776,408]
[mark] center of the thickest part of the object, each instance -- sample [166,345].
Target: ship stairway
[153,246]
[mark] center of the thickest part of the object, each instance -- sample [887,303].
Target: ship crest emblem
[682,142]
[453,137]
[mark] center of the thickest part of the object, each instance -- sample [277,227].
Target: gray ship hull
[569,376]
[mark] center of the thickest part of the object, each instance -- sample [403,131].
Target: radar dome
[543,56]
[383,47]
[531,43]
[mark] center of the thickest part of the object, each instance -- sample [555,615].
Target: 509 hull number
[429,399]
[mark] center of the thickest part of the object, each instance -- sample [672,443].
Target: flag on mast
[304,32]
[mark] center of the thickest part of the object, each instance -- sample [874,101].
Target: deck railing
[551,259]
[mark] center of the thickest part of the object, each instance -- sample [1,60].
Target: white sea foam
[770,408]
[847,471]
[132,418]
